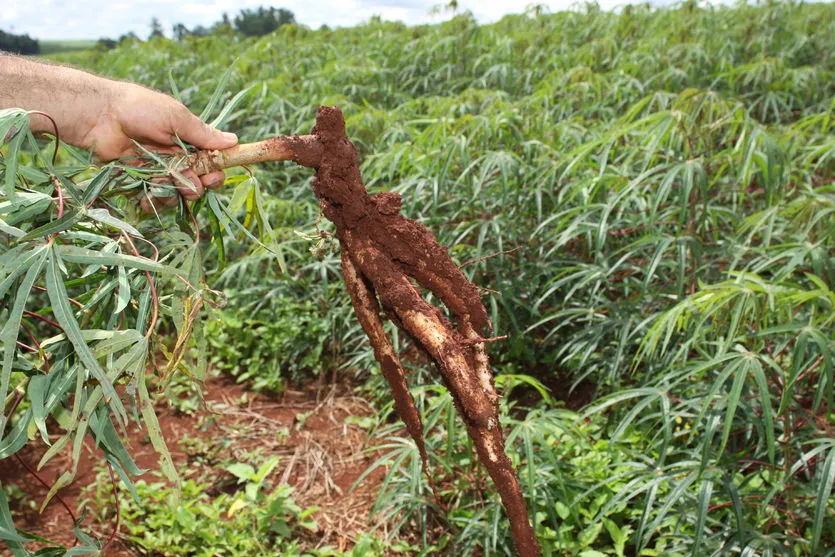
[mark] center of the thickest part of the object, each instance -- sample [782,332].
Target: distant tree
[223,26]
[129,36]
[156,29]
[19,44]
[106,44]
[286,17]
[180,31]
[450,7]
[254,23]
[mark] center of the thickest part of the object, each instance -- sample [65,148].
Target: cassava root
[382,252]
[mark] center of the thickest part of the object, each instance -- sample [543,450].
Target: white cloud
[56,19]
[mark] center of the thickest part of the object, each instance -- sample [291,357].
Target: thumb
[200,134]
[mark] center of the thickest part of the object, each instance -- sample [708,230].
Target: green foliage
[225,507]
[156,29]
[667,174]
[83,288]
[269,348]
[263,21]
[254,519]
[573,479]
[72,45]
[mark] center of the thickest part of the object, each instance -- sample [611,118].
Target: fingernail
[230,136]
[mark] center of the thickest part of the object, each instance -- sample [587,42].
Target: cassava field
[646,198]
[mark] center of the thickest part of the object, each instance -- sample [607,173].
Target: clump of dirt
[321,457]
[382,252]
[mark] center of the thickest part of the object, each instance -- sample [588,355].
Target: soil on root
[383,252]
[321,456]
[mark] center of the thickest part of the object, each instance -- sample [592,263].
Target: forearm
[74,99]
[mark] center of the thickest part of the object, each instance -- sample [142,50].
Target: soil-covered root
[382,253]
[368,313]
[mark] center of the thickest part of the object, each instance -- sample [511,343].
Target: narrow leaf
[63,313]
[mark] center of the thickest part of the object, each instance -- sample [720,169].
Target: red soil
[321,457]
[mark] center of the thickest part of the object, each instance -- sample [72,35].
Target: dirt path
[321,456]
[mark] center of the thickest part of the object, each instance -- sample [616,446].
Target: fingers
[190,186]
[193,189]
[196,186]
[213,180]
[154,205]
[193,130]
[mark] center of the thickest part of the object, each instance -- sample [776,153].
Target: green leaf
[68,476]
[108,439]
[26,212]
[229,222]
[767,411]
[94,188]
[17,437]
[704,503]
[67,221]
[63,314]
[740,374]
[103,216]
[221,118]
[824,491]
[12,119]
[8,532]
[19,262]
[215,99]
[37,390]
[11,230]
[266,469]
[11,329]
[123,295]
[18,123]
[241,470]
[84,256]
[46,391]
[146,407]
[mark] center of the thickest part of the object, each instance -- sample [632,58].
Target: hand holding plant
[112,118]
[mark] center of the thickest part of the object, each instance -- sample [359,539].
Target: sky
[93,19]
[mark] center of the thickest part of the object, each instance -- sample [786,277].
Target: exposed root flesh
[368,313]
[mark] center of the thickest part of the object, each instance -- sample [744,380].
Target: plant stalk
[305,150]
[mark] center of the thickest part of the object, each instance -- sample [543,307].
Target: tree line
[18,44]
[249,22]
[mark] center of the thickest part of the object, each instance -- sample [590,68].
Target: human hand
[107,116]
[155,121]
